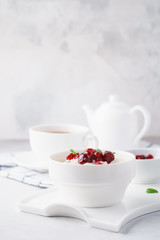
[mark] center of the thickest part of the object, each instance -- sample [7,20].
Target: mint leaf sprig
[72,151]
[98,150]
[151,190]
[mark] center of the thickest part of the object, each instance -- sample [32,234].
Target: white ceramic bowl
[92,185]
[147,170]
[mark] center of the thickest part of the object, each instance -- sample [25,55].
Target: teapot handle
[147,120]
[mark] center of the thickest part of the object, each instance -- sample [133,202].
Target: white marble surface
[57,55]
[15,225]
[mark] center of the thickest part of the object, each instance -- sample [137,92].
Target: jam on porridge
[91,156]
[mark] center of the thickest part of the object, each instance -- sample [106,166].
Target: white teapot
[115,124]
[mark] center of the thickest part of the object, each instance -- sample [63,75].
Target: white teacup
[46,140]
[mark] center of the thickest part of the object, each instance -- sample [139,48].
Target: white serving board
[135,203]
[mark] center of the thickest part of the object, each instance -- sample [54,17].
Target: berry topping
[144,157]
[108,157]
[93,156]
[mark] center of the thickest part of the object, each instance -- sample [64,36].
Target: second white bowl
[147,170]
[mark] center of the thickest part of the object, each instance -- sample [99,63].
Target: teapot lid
[115,100]
[114,103]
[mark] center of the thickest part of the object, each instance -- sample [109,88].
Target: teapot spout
[89,113]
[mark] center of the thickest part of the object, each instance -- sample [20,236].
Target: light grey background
[56,55]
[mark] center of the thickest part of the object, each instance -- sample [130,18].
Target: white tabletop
[16,225]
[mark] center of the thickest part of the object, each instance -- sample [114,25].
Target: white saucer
[27,160]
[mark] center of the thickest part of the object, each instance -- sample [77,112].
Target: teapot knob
[113,98]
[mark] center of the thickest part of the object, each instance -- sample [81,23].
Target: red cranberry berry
[92,158]
[140,157]
[90,151]
[99,156]
[150,156]
[71,156]
[108,157]
[83,159]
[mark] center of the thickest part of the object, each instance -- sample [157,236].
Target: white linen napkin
[9,169]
